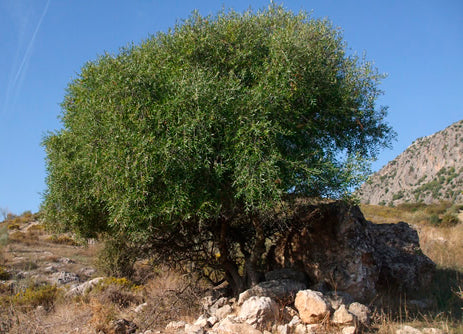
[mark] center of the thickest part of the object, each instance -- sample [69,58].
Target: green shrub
[411,207]
[31,297]
[449,220]
[3,236]
[62,240]
[434,220]
[120,291]
[4,274]
[117,258]
[13,226]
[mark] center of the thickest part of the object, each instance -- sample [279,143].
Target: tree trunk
[253,276]
[234,279]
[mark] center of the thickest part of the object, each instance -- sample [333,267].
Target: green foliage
[197,130]
[31,297]
[3,235]
[449,220]
[434,219]
[398,195]
[117,257]
[4,274]
[62,239]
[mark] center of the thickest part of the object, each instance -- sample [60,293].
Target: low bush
[62,239]
[33,296]
[449,220]
[434,220]
[13,226]
[3,236]
[4,274]
[117,258]
[17,236]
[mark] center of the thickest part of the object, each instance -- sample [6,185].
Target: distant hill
[429,170]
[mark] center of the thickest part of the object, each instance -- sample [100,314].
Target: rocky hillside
[429,170]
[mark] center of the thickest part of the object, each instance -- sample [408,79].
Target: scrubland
[33,300]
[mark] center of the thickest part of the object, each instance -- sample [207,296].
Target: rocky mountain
[429,170]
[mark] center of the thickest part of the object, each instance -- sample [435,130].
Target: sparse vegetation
[172,295]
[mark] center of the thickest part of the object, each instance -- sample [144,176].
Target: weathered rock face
[398,255]
[334,245]
[429,170]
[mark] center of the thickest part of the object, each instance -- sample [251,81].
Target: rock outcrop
[429,170]
[338,249]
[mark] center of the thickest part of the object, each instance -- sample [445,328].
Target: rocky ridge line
[429,170]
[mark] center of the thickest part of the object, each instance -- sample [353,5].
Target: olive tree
[186,144]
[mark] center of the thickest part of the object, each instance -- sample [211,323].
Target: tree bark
[232,275]
[253,276]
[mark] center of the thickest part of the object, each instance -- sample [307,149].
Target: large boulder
[335,246]
[312,306]
[260,312]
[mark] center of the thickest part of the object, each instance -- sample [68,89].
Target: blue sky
[44,44]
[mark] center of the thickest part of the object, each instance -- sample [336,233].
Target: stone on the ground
[284,289]
[259,311]
[361,312]
[216,304]
[212,320]
[407,330]
[342,316]
[312,328]
[223,312]
[175,325]
[300,329]
[432,331]
[229,326]
[140,308]
[123,326]
[84,287]
[349,330]
[312,306]
[64,277]
[294,321]
[201,321]
[66,260]
[194,329]
[282,329]
[288,313]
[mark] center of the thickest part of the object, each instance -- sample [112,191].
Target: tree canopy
[185,141]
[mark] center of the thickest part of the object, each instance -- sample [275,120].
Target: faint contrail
[14,84]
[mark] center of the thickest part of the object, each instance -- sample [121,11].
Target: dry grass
[168,296]
[443,245]
[67,317]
